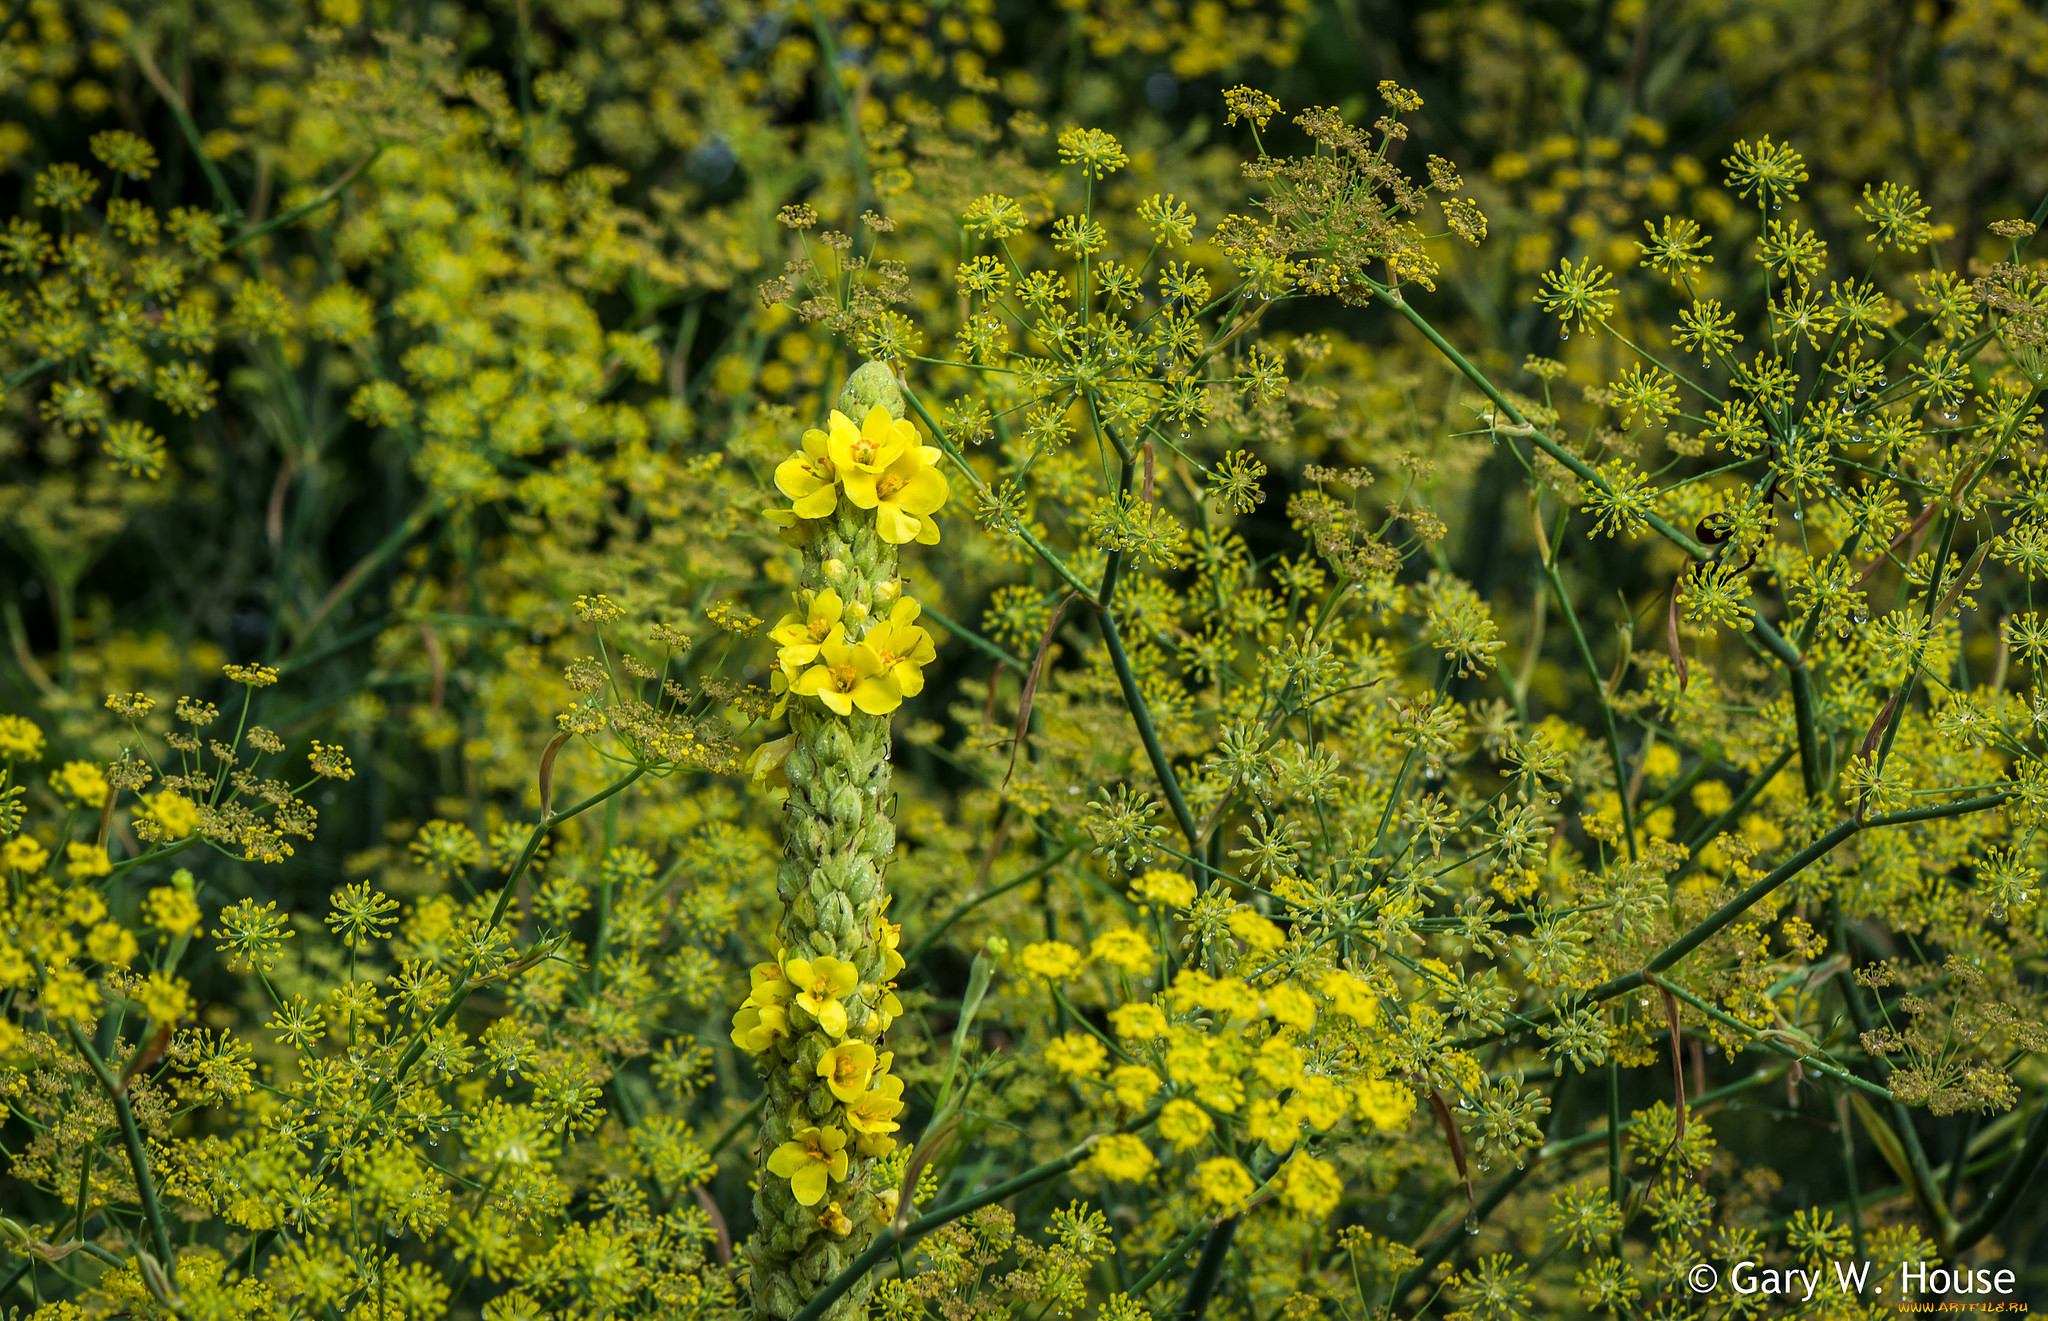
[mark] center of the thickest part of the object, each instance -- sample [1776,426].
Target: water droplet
[1553,800]
[1798,516]
[1564,334]
[1777,206]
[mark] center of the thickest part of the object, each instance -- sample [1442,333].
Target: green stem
[1578,467]
[2007,1194]
[1141,715]
[131,1137]
[967,906]
[1802,701]
[974,639]
[1571,616]
[393,543]
[326,195]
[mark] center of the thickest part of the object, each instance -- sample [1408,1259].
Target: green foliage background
[390,332]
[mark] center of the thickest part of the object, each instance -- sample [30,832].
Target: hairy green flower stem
[838,835]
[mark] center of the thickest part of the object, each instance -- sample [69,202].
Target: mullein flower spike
[848,654]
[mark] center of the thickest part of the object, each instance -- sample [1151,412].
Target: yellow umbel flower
[1223,1181]
[809,1160]
[1123,1157]
[20,740]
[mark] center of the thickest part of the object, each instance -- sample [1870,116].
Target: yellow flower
[1266,1123]
[905,648]
[1170,888]
[171,910]
[23,854]
[757,1027]
[164,998]
[82,782]
[1133,1085]
[820,986]
[834,1221]
[1124,948]
[173,812]
[68,997]
[1350,997]
[808,1160]
[809,479]
[867,450]
[904,497]
[1385,1105]
[1290,1005]
[801,638]
[873,1116]
[1258,933]
[846,1069]
[765,764]
[1123,1157]
[1076,1054]
[889,935]
[20,740]
[1310,1186]
[1184,1124]
[846,677]
[110,943]
[1318,1101]
[1139,1022]
[767,986]
[84,861]
[1224,1182]
[1054,960]
[1278,1062]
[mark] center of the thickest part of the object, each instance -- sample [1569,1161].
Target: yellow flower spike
[801,638]
[904,647]
[862,452]
[820,985]
[809,478]
[809,1160]
[846,1069]
[849,676]
[903,497]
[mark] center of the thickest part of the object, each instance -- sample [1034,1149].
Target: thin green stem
[131,1137]
[1141,716]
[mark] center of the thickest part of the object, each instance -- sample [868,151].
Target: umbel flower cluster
[1454,708]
